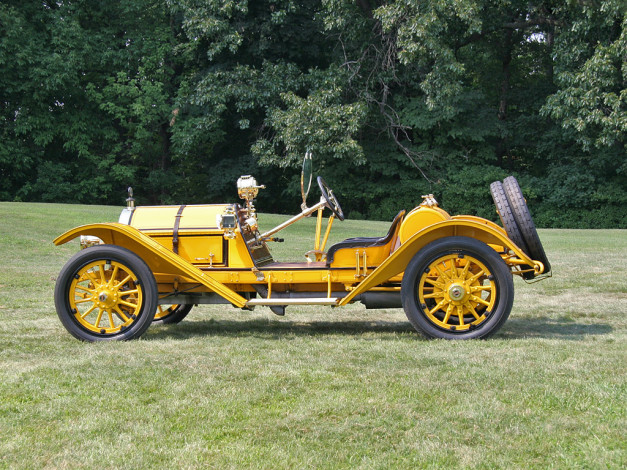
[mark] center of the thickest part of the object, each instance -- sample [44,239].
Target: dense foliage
[395,99]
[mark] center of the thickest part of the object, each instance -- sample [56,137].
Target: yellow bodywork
[209,261]
[158,258]
[200,239]
[471,227]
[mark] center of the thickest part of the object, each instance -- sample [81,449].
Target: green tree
[85,108]
[590,104]
[463,88]
[592,75]
[395,97]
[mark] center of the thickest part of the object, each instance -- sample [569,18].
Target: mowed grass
[320,387]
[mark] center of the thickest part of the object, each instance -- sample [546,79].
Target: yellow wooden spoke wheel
[106,292]
[456,293]
[171,313]
[105,297]
[457,287]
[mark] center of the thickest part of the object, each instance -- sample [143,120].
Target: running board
[288,301]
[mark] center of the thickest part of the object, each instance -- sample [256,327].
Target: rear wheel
[106,293]
[525,222]
[171,313]
[457,288]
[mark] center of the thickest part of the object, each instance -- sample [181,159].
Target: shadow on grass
[555,328]
[517,328]
[275,330]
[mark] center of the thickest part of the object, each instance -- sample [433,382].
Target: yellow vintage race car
[452,275]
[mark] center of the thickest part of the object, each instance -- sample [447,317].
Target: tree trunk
[503,146]
[165,156]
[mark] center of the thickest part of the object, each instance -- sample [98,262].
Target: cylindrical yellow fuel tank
[163,218]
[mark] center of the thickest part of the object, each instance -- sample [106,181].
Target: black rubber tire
[509,223]
[460,246]
[178,313]
[110,253]
[525,222]
[505,213]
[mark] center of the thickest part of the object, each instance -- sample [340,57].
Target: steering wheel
[329,197]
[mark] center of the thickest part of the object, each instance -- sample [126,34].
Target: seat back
[395,228]
[364,242]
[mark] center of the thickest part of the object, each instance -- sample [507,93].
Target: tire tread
[450,245]
[525,221]
[106,252]
[507,217]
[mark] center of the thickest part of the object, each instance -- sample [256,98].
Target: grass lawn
[320,387]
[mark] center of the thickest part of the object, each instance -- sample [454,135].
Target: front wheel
[105,293]
[457,288]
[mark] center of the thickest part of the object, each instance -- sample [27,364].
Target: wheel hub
[456,292]
[107,299]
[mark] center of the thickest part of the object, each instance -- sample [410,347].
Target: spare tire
[507,217]
[525,222]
